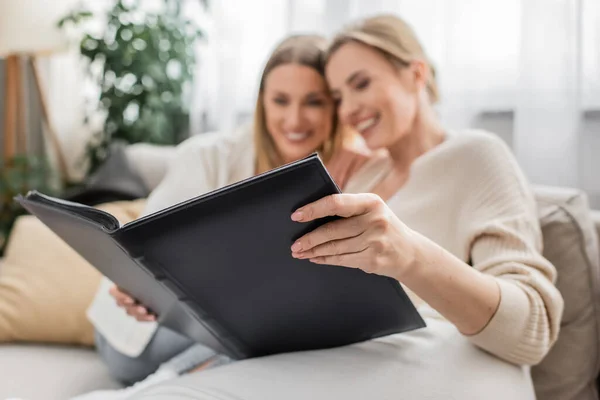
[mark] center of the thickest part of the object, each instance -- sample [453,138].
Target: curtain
[548,109]
[468,41]
[70,93]
[528,70]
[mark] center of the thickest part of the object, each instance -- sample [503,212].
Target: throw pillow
[569,370]
[46,287]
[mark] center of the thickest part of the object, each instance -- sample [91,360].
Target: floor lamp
[28,30]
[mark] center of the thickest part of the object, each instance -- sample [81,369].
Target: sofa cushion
[35,372]
[570,243]
[46,287]
[150,161]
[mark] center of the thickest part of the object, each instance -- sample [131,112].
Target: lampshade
[29,26]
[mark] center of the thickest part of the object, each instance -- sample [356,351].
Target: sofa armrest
[150,161]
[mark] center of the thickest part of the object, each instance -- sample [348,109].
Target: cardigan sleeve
[502,237]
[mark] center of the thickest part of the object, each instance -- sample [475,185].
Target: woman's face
[298,110]
[373,96]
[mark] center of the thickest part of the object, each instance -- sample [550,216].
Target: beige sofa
[33,371]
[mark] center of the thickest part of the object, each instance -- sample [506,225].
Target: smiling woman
[379,74]
[294,111]
[300,110]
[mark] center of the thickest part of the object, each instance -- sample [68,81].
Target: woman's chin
[297,154]
[374,142]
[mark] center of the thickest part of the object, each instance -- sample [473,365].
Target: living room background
[528,70]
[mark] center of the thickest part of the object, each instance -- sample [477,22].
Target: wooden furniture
[28,30]
[14,130]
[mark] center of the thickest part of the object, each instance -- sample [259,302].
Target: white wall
[502,123]
[590,162]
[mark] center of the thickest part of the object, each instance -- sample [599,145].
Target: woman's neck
[425,134]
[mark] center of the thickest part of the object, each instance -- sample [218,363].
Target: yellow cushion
[46,287]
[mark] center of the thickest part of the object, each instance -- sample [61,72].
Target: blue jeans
[164,346]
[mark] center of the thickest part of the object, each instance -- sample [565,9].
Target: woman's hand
[372,238]
[369,237]
[131,306]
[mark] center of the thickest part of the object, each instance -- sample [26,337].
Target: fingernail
[297,216]
[141,310]
[297,246]
[129,301]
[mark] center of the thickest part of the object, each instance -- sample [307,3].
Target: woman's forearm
[461,294]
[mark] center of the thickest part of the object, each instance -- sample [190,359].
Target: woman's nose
[293,118]
[347,110]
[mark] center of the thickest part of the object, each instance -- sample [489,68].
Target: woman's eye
[363,84]
[280,101]
[315,102]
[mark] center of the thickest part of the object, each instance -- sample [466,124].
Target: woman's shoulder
[484,163]
[219,151]
[472,141]
[473,152]
[216,142]
[473,161]
[202,163]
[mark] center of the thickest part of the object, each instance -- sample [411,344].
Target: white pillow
[150,161]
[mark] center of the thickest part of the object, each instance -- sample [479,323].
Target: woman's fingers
[343,205]
[351,260]
[336,230]
[349,245]
[382,245]
[121,297]
[131,306]
[124,301]
[140,313]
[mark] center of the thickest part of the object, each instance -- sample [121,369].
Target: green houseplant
[143,64]
[17,176]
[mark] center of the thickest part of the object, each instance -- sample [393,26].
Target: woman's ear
[420,73]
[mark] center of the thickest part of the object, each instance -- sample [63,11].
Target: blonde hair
[307,50]
[394,39]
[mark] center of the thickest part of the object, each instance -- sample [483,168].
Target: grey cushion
[596,219]
[42,372]
[116,179]
[152,161]
[570,243]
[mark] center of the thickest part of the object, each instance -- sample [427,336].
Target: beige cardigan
[467,194]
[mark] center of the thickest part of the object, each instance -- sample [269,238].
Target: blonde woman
[453,220]
[294,117]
